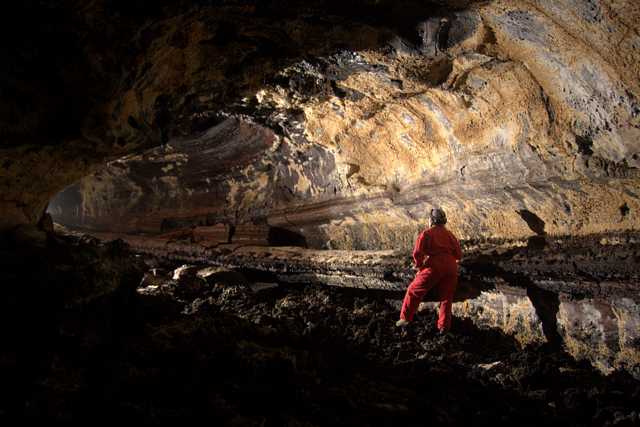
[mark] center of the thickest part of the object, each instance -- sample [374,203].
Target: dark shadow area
[78,340]
[443,35]
[536,243]
[282,237]
[535,223]
[438,72]
[547,306]
[585,144]
[257,275]
[624,210]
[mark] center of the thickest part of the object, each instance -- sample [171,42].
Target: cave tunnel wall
[488,111]
[85,83]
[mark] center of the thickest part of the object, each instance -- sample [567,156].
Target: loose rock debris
[149,349]
[326,356]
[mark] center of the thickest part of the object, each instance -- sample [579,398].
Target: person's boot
[402,323]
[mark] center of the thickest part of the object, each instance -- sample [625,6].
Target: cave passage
[208,210]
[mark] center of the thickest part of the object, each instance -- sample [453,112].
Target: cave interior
[208,210]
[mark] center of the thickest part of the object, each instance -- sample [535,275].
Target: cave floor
[287,355]
[332,356]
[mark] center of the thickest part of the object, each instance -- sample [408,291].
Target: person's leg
[447,288]
[415,292]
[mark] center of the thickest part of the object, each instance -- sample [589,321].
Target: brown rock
[184,272]
[211,235]
[503,108]
[249,234]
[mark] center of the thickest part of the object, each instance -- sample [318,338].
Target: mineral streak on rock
[505,308]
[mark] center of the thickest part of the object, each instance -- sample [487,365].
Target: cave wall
[501,112]
[88,81]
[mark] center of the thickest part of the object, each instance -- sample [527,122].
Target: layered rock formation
[519,118]
[90,81]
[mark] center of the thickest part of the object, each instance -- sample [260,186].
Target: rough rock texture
[507,308]
[88,81]
[305,356]
[512,115]
[579,294]
[83,335]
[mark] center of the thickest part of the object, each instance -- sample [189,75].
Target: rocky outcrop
[508,114]
[233,354]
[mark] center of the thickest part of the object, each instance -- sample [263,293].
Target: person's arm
[418,250]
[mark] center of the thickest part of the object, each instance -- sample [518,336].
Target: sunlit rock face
[519,118]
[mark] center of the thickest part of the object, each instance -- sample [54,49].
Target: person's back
[439,242]
[435,256]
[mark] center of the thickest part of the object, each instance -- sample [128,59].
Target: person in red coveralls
[435,256]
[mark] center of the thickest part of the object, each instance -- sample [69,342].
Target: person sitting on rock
[435,256]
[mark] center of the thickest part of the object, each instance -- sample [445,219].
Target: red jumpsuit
[435,255]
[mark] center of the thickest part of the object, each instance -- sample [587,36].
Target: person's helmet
[438,216]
